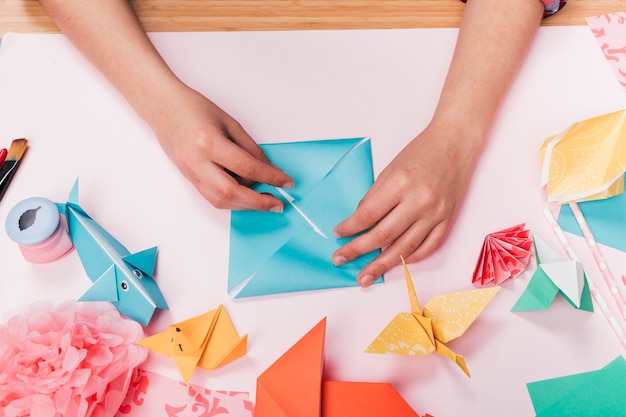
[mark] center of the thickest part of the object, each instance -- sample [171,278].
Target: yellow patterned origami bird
[208,341]
[444,318]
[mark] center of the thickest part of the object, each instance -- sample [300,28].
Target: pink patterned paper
[504,254]
[610,32]
[153,395]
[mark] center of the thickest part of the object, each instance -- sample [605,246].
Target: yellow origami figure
[587,161]
[444,318]
[208,341]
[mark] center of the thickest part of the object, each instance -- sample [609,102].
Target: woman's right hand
[214,152]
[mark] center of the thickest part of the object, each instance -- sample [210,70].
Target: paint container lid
[32,221]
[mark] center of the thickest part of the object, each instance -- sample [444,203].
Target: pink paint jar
[40,231]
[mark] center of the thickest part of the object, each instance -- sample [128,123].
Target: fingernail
[366,280]
[337,235]
[288,184]
[339,260]
[277,209]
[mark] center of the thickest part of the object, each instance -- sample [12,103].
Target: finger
[224,192]
[428,246]
[392,226]
[239,136]
[409,246]
[263,171]
[373,207]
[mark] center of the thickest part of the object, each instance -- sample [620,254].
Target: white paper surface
[285,86]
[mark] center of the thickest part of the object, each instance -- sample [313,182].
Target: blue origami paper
[606,219]
[596,393]
[291,251]
[120,277]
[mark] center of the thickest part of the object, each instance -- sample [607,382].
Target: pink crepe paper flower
[74,360]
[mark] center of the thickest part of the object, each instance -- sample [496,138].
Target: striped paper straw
[595,293]
[597,256]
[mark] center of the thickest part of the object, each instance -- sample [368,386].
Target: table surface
[233,15]
[312,85]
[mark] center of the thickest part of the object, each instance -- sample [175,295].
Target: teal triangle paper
[599,393]
[539,293]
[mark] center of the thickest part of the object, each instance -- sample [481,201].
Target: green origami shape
[596,393]
[554,275]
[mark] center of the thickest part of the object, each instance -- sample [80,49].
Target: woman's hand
[215,153]
[412,203]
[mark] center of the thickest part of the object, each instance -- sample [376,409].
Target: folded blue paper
[119,276]
[291,251]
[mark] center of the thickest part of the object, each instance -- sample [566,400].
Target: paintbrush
[11,163]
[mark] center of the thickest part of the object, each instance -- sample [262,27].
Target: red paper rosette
[505,254]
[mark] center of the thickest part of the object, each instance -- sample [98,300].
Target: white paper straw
[595,293]
[609,280]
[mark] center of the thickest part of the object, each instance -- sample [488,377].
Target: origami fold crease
[291,251]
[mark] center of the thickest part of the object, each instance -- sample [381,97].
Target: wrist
[158,98]
[462,140]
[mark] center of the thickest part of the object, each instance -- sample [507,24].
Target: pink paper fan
[505,254]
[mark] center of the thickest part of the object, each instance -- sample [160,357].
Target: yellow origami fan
[444,318]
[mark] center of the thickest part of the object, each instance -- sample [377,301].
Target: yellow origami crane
[444,318]
[587,161]
[208,341]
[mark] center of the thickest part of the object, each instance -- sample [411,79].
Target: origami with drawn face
[207,341]
[291,251]
[121,277]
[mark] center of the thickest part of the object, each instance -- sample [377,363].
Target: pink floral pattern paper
[610,32]
[153,395]
[504,254]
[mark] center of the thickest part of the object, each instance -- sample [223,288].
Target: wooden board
[232,15]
